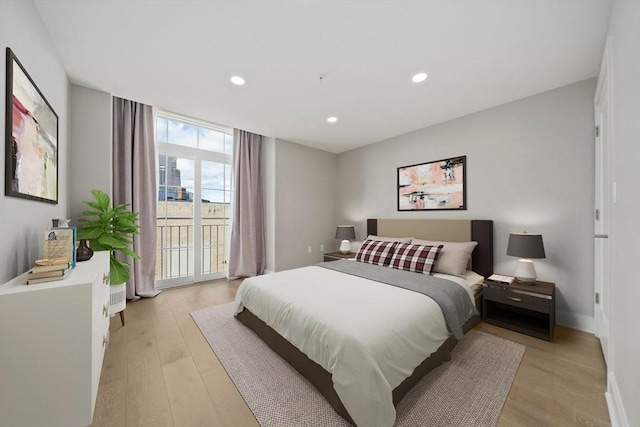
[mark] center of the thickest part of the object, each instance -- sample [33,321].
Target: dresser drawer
[518,298]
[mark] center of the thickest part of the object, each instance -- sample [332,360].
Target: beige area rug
[470,390]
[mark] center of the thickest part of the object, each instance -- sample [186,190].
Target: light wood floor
[160,371]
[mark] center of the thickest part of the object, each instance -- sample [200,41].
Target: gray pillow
[454,256]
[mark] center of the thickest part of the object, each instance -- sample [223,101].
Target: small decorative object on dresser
[84,252]
[60,242]
[335,256]
[345,233]
[527,308]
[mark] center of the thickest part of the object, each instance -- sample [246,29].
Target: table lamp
[345,233]
[525,246]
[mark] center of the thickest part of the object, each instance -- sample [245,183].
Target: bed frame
[480,231]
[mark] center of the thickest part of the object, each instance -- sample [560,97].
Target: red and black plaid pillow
[376,252]
[418,258]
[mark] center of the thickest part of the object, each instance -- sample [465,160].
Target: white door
[604,191]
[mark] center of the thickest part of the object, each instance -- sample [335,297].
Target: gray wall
[304,184]
[268,164]
[530,166]
[90,134]
[23,221]
[624,376]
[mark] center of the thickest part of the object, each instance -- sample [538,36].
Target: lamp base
[526,272]
[345,247]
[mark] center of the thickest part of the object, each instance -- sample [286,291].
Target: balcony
[175,254]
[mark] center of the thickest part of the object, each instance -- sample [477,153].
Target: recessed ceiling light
[237,80]
[332,119]
[420,77]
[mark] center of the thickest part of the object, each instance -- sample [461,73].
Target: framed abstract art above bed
[436,185]
[31,145]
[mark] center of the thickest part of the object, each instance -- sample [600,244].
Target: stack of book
[49,269]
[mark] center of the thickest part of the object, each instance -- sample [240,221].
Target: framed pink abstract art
[438,185]
[31,148]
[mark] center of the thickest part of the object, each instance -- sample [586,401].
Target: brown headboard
[446,230]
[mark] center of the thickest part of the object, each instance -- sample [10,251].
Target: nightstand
[526,308]
[335,256]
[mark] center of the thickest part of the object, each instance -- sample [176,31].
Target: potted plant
[111,229]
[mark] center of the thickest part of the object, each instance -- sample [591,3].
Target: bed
[362,343]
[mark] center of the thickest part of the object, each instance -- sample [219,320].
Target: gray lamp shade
[345,232]
[524,245]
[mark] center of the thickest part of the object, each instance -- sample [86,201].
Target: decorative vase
[84,252]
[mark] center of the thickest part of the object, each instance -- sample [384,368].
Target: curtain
[247,253]
[134,184]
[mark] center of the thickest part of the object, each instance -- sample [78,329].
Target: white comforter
[370,336]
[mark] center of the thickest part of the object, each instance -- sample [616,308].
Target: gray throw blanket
[453,300]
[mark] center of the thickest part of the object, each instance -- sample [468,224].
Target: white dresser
[52,341]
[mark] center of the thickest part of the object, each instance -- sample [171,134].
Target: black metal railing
[175,248]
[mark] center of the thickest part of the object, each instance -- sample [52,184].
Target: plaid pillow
[376,252]
[418,258]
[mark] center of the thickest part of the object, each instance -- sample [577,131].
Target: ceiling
[179,56]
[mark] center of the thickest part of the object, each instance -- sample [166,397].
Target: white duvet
[370,336]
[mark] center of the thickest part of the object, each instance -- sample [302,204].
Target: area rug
[470,390]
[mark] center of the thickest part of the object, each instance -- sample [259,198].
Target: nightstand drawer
[518,299]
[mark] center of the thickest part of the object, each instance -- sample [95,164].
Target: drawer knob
[105,278]
[105,310]
[105,341]
[514,299]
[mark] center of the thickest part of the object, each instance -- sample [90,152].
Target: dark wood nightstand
[526,308]
[335,256]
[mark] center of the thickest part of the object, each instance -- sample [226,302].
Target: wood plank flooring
[160,371]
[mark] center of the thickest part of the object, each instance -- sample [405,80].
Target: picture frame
[437,185]
[31,132]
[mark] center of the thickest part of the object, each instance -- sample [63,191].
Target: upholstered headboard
[446,230]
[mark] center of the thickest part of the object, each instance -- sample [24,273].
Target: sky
[216,177]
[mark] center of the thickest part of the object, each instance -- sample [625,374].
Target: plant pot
[118,298]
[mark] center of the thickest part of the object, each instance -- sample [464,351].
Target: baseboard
[616,409]
[575,321]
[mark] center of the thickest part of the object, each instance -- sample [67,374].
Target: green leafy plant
[110,229]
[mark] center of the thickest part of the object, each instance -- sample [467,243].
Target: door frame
[603,199]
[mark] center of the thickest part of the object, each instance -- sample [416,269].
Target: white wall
[305,182]
[22,221]
[624,376]
[530,166]
[91,153]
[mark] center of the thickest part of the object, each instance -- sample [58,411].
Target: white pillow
[473,278]
[391,239]
[454,256]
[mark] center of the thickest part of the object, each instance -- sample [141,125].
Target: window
[194,199]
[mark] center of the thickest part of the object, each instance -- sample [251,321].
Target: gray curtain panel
[246,254]
[134,183]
